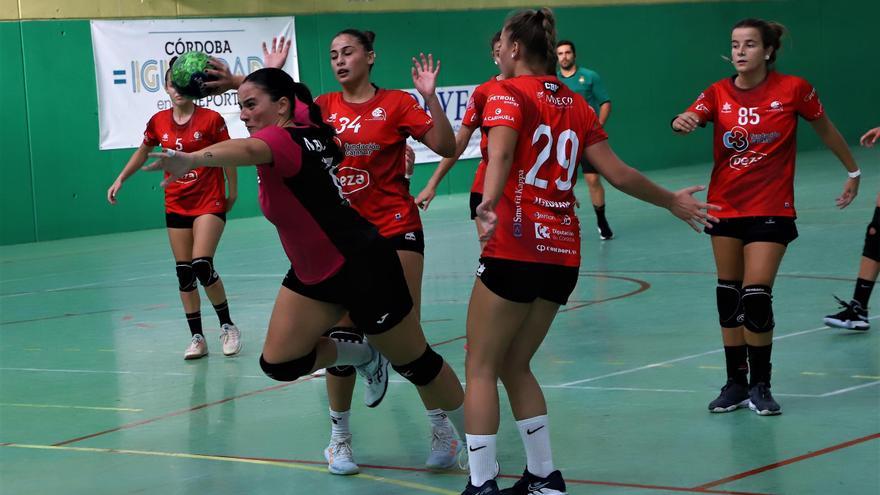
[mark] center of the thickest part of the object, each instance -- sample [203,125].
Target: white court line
[685,358]
[117,372]
[850,389]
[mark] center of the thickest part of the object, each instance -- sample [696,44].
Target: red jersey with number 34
[754,143]
[373,136]
[473,118]
[536,219]
[202,190]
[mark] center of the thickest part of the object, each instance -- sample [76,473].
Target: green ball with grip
[188,74]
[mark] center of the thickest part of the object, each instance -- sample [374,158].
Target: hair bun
[370,36]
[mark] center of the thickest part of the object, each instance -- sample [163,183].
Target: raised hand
[694,212]
[225,79]
[276,56]
[424,75]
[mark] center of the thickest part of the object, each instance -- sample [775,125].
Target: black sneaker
[761,400]
[605,232]
[530,484]
[488,488]
[733,396]
[853,316]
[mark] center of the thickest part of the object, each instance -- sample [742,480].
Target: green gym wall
[655,58]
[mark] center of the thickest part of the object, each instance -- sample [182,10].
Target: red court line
[507,476]
[128,426]
[786,462]
[643,286]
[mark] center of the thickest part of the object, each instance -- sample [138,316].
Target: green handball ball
[188,74]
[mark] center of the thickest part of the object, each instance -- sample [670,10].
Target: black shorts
[370,285]
[411,241]
[587,167]
[178,221]
[781,230]
[476,199]
[523,282]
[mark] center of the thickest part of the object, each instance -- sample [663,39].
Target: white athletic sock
[339,424]
[535,434]
[481,458]
[438,417]
[352,353]
[457,418]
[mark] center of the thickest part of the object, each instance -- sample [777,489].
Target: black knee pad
[291,370]
[204,268]
[423,370]
[757,301]
[729,296]
[186,277]
[872,238]
[344,334]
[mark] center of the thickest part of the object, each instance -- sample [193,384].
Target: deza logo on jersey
[188,178]
[737,139]
[352,180]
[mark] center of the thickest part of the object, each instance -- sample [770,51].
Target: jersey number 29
[565,156]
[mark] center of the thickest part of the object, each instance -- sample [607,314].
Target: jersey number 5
[566,157]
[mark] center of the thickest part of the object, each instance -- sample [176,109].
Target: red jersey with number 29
[203,189]
[754,143]
[473,118]
[536,219]
[373,136]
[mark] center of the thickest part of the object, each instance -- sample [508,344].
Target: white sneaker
[230,336]
[340,459]
[197,347]
[445,448]
[375,374]
[320,372]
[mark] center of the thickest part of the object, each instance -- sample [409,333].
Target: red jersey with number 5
[754,143]
[473,118]
[202,190]
[372,174]
[536,219]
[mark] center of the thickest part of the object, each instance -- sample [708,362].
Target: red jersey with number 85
[372,174]
[201,190]
[754,143]
[536,219]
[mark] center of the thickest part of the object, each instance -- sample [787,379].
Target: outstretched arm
[681,203]
[231,153]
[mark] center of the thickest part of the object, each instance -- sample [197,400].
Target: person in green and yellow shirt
[588,84]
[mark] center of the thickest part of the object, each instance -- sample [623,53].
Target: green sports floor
[95,397]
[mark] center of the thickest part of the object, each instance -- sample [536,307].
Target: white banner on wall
[454,100]
[131,58]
